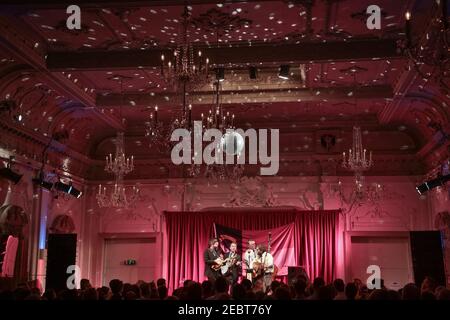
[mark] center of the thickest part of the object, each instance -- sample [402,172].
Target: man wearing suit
[234,264]
[211,257]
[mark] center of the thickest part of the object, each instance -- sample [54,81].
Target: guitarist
[234,264]
[266,266]
[212,258]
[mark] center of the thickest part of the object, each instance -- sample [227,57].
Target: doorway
[142,256]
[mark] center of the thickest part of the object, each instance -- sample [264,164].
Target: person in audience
[247,284]
[85,284]
[89,294]
[219,290]
[145,290]
[351,291]
[443,294]
[326,292]
[194,291]
[161,282]
[428,285]
[154,294]
[103,293]
[274,286]
[363,293]
[49,295]
[339,286]
[410,292]
[393,295]
[258,286]
[116,288]
[130,295]
[207,289]
[221,287]
[378,294]
[282,293]
[299,289]
[238,292]
[250,295]
[427,295]
[317,284]
[162,292]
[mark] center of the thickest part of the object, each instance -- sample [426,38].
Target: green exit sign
[129,262]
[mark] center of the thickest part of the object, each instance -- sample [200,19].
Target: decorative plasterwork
[251,192]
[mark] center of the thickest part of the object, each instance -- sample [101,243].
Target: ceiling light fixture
[220,74]
[284,72]
[252,72]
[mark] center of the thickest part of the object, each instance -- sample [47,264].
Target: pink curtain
[282,245]
[313,236]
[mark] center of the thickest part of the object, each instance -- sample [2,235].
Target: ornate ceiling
[65,82]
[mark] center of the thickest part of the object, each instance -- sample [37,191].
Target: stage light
[68,188]
[42,183]
[284,72]
[220,74]
[7,106]
[424,187]
[252,72]
[10,175]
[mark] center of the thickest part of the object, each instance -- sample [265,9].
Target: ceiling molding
[24,50]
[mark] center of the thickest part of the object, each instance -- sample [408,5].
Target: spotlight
[284,72]
[220,74]
[42,183]
[9,174]
[424,187]
[252,72]
[18,118]
[68,188]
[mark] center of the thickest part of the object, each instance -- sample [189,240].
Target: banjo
[230,261]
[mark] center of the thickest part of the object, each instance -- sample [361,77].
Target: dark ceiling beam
[26,5]
[265,53]
[249,96]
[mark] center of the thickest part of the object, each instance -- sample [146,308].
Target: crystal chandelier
[433,50]
[119,165]
[372,194]
[188,67]
[118,198]
[357,160]
[185,71]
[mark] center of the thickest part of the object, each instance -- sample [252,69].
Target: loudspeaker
[294,272]
[61,253]
[427,256]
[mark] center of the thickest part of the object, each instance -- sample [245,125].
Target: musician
[234,264]
[266,265]
[249,258]
[212,257]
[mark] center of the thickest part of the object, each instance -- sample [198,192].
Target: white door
[391,254]
[146,252]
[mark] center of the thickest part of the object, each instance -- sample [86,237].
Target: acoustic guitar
[258,267]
